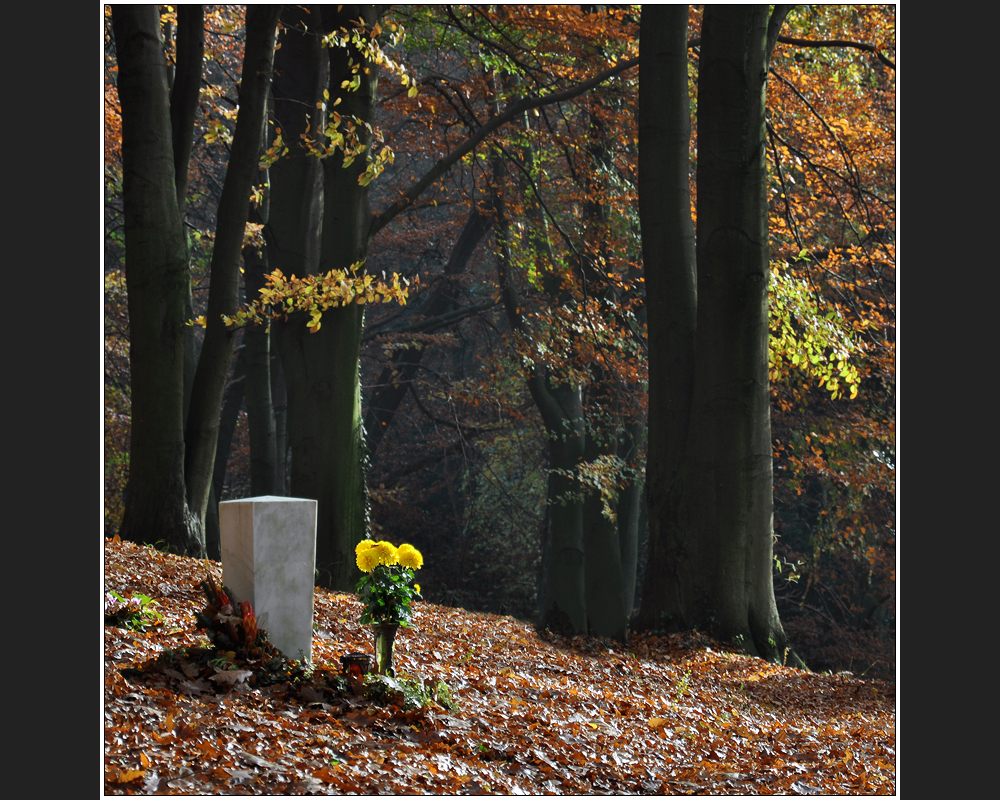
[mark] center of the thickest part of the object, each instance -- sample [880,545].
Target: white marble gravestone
[269,558]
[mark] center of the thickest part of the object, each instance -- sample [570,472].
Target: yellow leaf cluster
[316,294]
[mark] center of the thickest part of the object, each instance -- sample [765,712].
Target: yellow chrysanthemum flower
[410,557]
[387,553]
[368,555]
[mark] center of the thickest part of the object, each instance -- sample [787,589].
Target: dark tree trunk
[185,90]
[603,568]
[280,399]
[156,272]
[629,515]
[561,597]
[711,537]
[228,419]
[260,406]
[202,428]
[257,347]
[322,370]
[725,561]
[669,264]
[562,601]
[604,538]
[184,94]
[296,204]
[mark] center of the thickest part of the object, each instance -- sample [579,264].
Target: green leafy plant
[682,687]
[135,612]
[407,692]
[386,588]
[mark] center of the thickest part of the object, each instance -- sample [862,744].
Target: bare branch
[868,48]
[519,107]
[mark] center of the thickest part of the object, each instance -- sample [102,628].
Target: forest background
[459,456]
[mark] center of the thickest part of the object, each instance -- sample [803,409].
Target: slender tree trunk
[228,419]
[629,515]
[185,90]
[156,272]
[603,568]
[257,346]
[632,502]
[604,539]
[562,602]
[260,406]
[202,428]
[184,94]
[280,399]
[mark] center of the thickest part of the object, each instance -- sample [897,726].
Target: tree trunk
[629,515]
[257,347]
[202,428]
[561,597]
[712,563]
[562,601]
[603,573]
[184,94]
[228,419]
[260,406]
[185,91]
[280,399]
[156,272]
[610,544]
[292,229]
[322,370]
[668,256]
[726,563]
[324,404]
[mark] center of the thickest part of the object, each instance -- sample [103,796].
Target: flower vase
[385,637]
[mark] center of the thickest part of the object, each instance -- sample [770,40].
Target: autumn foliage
[460,468]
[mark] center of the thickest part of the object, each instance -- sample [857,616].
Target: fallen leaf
[230,677]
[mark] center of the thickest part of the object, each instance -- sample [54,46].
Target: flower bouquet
[386,590]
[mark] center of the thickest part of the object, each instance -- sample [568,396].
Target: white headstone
[269,558]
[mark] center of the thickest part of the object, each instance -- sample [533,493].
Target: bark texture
[293,224]
[156,272]
[668,255]
[711,492]
[184,93]
[202,428]
[322,370]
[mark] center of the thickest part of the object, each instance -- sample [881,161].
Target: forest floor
[534,713]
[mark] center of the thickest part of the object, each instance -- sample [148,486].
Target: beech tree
[709,463]
[156,272]
[322,365]
[172,458]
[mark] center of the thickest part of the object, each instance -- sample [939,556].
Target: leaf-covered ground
[535,714]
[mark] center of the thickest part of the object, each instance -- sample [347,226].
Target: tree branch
[434,322]
[868,48]
[519,107]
